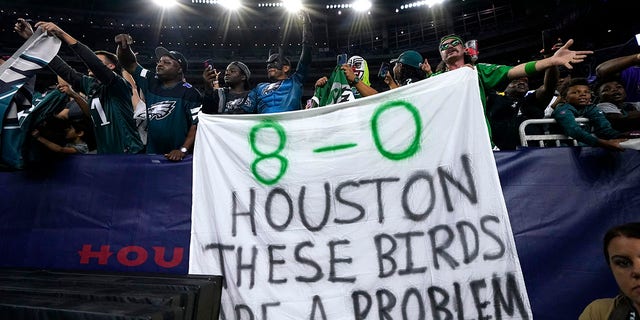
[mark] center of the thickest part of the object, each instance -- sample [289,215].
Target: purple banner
[132,213]
[112,213]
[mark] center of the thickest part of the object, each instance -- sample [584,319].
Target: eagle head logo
[161,110]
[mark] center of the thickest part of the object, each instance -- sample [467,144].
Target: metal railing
[548,136]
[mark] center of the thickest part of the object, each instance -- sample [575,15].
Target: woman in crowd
[622,252]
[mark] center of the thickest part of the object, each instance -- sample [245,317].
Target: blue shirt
[282,95]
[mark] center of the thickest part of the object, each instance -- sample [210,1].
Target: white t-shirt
[608,107]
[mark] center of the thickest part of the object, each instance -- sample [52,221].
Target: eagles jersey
[170,111]
[283,95]
[223,101]
[112,115]
[109,98]
[12,135]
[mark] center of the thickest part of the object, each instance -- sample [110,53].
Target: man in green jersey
[491,76]
[108,93]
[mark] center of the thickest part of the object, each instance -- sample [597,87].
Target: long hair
[409,72]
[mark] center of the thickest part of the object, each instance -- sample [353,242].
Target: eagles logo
[235,104]
[271,87]
[161,110]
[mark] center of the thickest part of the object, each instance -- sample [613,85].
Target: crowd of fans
[119,106]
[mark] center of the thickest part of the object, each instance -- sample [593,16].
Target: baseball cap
[410,58]
[175,55]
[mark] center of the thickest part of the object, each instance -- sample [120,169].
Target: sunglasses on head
[453,43]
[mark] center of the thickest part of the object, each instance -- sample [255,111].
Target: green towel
[336,90]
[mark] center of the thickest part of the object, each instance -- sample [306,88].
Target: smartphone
[208,64]
[384,68]
[341,59]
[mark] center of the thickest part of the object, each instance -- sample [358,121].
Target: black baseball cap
[175,55]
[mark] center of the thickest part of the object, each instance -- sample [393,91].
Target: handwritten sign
[388,207]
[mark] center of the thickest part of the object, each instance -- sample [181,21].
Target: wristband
[530,68]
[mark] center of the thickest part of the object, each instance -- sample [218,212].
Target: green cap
[451,36]
[411,58]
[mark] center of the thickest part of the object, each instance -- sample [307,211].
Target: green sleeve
[493,75]
[601,126]
[565,116]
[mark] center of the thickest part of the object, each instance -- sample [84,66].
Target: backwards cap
[410,58]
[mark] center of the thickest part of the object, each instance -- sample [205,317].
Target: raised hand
[388,79]
[321,82]
[123,40]
[211,76]
[566,57]
[426,67]
[50,28]
[23,28]
[348,73]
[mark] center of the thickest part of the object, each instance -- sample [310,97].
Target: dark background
[508,32]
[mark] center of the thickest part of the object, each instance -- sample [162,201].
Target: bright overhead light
[361,5]
[230,4]
[292,5]
[165,3]
[431,3]
[417,4]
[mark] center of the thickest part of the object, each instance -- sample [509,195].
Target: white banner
[388,207]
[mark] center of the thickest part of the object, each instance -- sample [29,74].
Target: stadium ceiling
[318,5]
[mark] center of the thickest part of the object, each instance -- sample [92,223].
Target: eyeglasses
[453,43]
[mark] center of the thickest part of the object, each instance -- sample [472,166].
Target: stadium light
[431,3]
[165,3]
[227,4]
[270,4]
[361,5]
[416,4]
[292,5]
[230,4]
